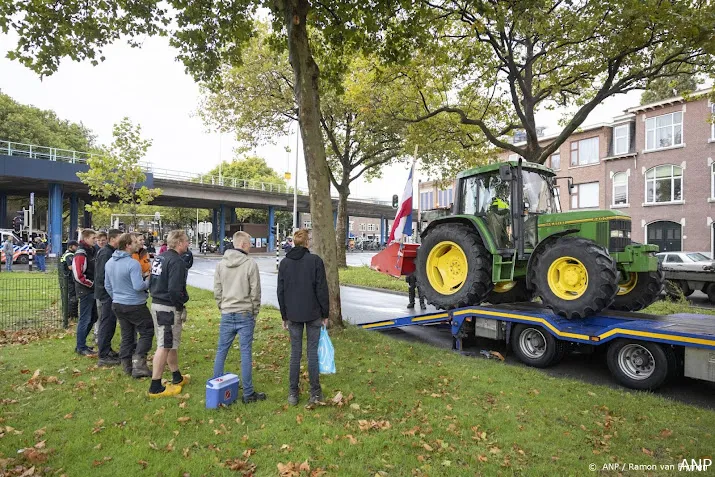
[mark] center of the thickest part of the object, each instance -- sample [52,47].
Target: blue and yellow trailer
[643,351]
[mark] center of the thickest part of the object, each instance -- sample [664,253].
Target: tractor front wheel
[638,290]
[575,277]
[454,269]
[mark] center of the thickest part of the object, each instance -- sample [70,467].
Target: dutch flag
[402,226]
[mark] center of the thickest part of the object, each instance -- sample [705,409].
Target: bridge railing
[31,151]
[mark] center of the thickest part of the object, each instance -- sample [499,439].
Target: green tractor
[509,242]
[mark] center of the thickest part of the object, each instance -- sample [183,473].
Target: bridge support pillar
[347,230]
[271,229]
[234,217]
[3,210]
[54,227]
[383,237]
[74,216]
[221,227]
[214,229]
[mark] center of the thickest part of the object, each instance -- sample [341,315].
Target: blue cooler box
[221,390]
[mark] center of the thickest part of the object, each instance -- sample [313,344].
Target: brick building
[359,227]
[655,163]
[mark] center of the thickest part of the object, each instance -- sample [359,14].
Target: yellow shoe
[185,379]
[169,390]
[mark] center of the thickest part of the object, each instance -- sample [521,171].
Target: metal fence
[30,299]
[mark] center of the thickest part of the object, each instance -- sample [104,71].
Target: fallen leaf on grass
[286,447]
[97,463]
[98,446]
[248,453]
[377,425]
[185,452]
[647,451]
[246,468]
[40,445]
[34,456]
[184,420]
[482,458]
[299,419]
[40,432]
[428,447]
[143,463]
[666,433]
[352,440]
[494,450]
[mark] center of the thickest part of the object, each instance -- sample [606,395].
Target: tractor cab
[509,196]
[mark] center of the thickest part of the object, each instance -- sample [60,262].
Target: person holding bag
[304,303]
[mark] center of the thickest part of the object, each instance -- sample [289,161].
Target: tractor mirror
[505,172]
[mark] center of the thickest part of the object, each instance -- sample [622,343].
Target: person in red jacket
[83,271]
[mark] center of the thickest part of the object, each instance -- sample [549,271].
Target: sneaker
[86,352]
[254,397]
[169,390]
[423,306]
[185,378]
[411,306]
[293,399]
[108,361]
[113,354]
[315,399]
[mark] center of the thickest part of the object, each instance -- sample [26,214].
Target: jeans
[87,317]
[296,349]
[40,259]
[134,319]
[107,327]
[242,324]
[8,262]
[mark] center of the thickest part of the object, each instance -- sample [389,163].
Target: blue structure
[271,229]
[74,215]
[383,231]
[214,221]
[3,210]
[54,225]
[221,227]
[87,219]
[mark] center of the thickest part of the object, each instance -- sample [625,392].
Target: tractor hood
[580,217]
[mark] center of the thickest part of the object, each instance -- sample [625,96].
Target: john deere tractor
[509,241]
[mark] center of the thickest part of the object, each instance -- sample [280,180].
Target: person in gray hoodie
[127,287]
[237,289]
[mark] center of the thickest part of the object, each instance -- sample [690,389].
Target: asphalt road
[363,306]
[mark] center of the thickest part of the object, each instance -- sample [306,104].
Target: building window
[585,196]
[664,131]
[663,184]
[712,119]
[307,224]
[513,157]
[621,139]
[444,198]
[362,227]
[371,227]
[712,181]
[620,188]
[584,152]
[556,161]
[351,225]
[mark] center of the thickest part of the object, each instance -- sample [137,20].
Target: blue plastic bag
[326,353]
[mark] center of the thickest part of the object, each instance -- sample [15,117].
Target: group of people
[112,276]
[304,306]
[40,251]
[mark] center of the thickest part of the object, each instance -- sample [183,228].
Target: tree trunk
[340,227]
[306,76]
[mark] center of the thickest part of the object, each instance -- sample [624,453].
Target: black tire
[645,292]
[23,259]
[478,282]
[562,348]
[518,293]
[601,283]
[640,364]
[710,290]
[534,346]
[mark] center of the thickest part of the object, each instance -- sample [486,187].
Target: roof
[669,101]
[495,167]
[554,136]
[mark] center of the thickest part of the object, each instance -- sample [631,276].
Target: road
[361,306]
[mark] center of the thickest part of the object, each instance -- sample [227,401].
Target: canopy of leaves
[30,125]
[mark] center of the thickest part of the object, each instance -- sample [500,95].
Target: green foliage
[30,125]
[367,277]
[681,80]
[116,175]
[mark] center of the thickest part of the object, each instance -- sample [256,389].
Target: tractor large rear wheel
[638,290]
[575,277]
[454,269]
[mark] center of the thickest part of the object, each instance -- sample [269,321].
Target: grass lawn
[29,299]
[366,277]
[407,409]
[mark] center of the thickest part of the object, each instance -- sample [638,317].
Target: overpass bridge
[27,168]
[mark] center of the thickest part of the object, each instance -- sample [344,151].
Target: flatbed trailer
[643,351]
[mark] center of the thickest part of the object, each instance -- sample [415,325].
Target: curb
[382,290]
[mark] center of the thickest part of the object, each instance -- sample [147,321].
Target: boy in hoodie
[304,302]
[237,289]
[127,288]
[107,318]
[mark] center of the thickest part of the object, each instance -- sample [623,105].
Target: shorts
[168,324]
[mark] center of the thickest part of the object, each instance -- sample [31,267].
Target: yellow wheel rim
[568,278]
[503,287]
[447,268]
[628,282]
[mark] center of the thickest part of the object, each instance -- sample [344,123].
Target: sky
[149,86]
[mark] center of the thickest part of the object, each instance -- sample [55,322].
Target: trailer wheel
[640,364]
[638,290]
[510,292]
[534,346]
[710,290]
[453,268]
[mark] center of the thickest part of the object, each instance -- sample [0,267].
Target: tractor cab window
[538,195]
[493,192]
[469,196]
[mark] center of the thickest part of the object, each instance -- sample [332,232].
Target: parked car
[685,261]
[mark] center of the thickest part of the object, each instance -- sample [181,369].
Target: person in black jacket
[107,318]
[304,301]
[169,295]
[83,272]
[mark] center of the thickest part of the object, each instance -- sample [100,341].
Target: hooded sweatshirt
[237,284]
[302,287]
[123,280]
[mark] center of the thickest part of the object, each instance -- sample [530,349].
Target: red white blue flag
[402,226]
